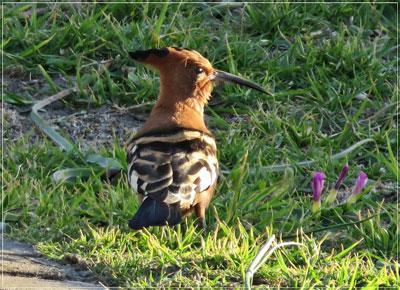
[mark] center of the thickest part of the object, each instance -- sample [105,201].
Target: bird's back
[168,169]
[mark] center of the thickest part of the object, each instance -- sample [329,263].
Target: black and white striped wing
[173,168]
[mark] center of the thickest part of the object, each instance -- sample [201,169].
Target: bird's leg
[183,228]
[202,201]
[200,211]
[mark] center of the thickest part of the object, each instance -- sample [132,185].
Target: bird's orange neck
[181,115]
[178,106]
[185,114]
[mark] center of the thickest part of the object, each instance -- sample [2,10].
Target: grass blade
[160,21]
[104,162]
[35,48]
[65,144]
[16,99]
[347,250]
[52,84]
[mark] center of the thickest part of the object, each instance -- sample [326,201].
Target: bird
[172,159]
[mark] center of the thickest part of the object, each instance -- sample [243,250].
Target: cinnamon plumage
[172,159]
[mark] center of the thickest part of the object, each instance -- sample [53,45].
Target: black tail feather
[155,213]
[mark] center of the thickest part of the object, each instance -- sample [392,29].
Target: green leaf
[72,173]
[16,99]
[64,143]
[34,48]
[52,84]
[160,20]
[103,162]
[347,250]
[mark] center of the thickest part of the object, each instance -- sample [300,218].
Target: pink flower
[342,176]
[317,185]
[360,183]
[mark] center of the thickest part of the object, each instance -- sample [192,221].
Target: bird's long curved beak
[220,75]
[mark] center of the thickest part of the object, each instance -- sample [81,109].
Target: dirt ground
[89,127]
[23,267]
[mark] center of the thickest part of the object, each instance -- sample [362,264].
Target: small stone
[361,96]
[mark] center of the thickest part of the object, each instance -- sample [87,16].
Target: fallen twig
[265,252]
[308,163]
[38,11]
[132,108]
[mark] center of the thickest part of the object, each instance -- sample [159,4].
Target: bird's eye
[198,70]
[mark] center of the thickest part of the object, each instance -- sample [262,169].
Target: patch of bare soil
[24,267]
[90,127]
[93,127]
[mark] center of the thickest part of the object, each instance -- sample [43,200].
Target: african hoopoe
[172,159]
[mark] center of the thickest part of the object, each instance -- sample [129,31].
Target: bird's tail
[155,213]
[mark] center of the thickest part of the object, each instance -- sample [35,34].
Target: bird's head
[185,74]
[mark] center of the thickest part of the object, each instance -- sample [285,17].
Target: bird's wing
[174,168]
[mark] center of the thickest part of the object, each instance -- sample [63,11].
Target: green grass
[319,60]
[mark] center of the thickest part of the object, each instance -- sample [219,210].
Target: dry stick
[308,163]
[262,256]
[39,11]
[53,98]
[134,107]
[256,261]
[380,112]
